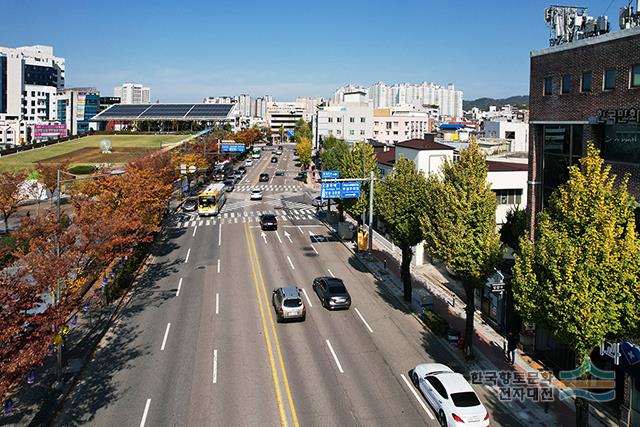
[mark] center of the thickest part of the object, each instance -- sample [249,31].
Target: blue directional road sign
[233,148]
[330,190]
[330,174]
[350,190]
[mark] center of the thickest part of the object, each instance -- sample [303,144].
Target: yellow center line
[275,336]
[274,371]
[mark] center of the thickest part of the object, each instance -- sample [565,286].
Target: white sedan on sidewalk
[450,395]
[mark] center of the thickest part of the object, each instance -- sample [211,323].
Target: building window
[352,119]
[635,75]
[330,119]
[509,197]
[566,84]
[362,120]
[338,132]
[610,75]
[388,125]
[351,132]
[548,86]
[585,85]
[339,119]
[510,135]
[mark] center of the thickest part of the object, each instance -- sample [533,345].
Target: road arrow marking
[288,236]
[278,236]
[264,236]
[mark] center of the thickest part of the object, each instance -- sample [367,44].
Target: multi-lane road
[197,343]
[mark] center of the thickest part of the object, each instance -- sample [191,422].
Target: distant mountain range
[484,103]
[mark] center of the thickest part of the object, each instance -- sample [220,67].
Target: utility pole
[372,180]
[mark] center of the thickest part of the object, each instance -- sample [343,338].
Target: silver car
[288,304]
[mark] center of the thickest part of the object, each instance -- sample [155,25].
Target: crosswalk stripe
[179,224]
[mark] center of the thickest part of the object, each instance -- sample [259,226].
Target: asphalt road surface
[198,344]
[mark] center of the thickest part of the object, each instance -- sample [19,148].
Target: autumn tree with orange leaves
[10,194]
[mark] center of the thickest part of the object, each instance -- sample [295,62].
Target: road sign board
[330,190]
[350,190]
[330,174]
[192,169]
[497,287]
[233,148]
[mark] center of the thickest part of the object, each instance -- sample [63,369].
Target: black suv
[274,160]
[332,292]
[268,222]
[264,177]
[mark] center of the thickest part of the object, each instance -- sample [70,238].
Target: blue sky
[185,50]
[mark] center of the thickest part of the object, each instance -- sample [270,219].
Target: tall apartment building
[220,100]
[133,93]
[75,107]
[423,95]
[244,105]
[351,119]
[30,76]
[311,104]
[283,115]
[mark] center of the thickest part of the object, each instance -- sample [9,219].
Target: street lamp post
[59,182]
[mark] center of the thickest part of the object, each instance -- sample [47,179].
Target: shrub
[437,324]
[82,169]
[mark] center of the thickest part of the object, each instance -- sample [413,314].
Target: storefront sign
[621,116]
[45,131]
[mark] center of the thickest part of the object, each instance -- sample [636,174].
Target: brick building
[582,91]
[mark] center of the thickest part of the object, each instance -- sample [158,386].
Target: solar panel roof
[165,111]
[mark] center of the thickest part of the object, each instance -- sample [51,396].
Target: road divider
[417,396]
[166,334]
[333,353]
[145,413]
[363,321]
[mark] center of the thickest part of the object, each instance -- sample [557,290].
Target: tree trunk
[405,272]
[582,404]
[6,224]
[469,290]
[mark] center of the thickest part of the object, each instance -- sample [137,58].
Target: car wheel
[442,418]
[414,378]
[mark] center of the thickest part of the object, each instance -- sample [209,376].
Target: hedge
[82,169]
[437,324]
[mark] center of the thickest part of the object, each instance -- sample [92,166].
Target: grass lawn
[87,151]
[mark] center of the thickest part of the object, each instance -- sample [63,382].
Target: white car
[279,152]
[256,194]
[248,162]
[450,395]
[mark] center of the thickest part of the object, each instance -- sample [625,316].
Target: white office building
[514,131]
[30,76]
[133,93]
[423,95]
[351,119]
[394,125]
[244,105]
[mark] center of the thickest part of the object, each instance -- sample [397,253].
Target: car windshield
[269,217]
[337,289]
[293,302]
[206,201]
[465,399]
[228,182]
[256,190]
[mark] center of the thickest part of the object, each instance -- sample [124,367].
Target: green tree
[580,278]
[281,133]
[304,152]
[334,150]
[514,228]
[400,200]
[359,161]
[459,225]
[302,130]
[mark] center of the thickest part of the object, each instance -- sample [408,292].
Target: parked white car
[248,162]
[450,395]
[256,194]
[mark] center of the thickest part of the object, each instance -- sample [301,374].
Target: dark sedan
[264,177]
[332,292]
[268,222]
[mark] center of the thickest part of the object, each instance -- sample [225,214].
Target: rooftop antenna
[570,23]
[629,17]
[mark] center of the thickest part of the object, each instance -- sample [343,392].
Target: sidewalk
[488,343]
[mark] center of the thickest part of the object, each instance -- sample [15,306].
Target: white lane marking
[301,232]
[215,366]
[264,236]
[217,303]
[178,224]
[194,231]
[331,273]
[307,297]
[314,250]
[200,223]
[218,265]
[335,357]
[220,235]
[415,394]
[288,236]
[363,321]
[187,257]
[278,236]
[179,286]
[208,222]
[290,263]
[166,334]
[144,414]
